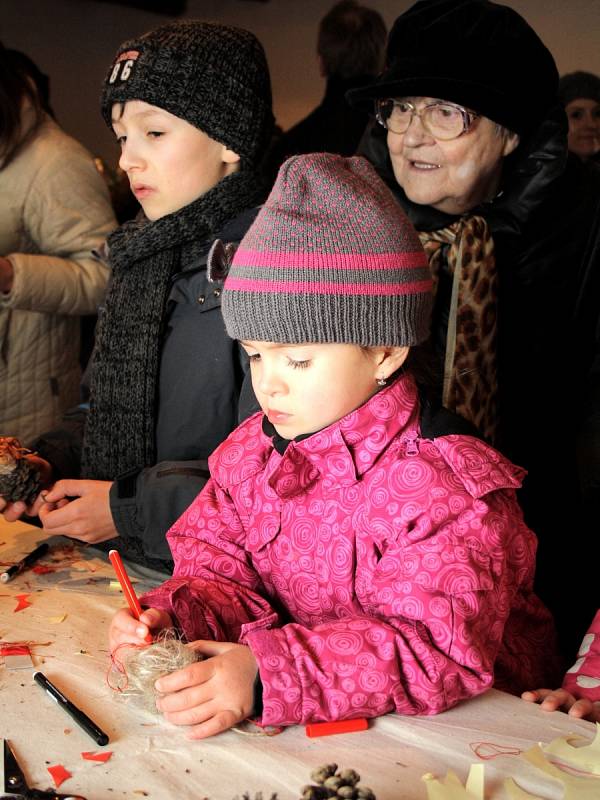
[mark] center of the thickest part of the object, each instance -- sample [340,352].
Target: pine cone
[333,783]
[19,479]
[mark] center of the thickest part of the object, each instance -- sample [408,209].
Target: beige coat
[54,210]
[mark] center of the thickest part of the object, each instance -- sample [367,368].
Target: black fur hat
[479,54]
[213,76]
[578,85]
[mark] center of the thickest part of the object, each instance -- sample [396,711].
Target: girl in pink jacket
[349,556]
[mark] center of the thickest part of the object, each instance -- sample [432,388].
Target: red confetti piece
[42,569]
[97,756]
[59,774]
[23,602]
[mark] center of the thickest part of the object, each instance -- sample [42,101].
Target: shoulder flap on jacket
[480,468]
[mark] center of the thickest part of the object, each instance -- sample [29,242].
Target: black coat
[202,396]
[333,126]
[545,224]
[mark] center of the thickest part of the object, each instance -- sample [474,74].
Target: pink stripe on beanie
[331,257]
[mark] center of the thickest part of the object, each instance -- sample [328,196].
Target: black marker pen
[29,559]
[80,718]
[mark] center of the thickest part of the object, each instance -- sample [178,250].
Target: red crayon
[340,726]
[128,590]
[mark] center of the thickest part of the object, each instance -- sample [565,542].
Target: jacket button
[217,292]
[201,299]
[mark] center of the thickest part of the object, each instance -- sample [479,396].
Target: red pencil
[128,590]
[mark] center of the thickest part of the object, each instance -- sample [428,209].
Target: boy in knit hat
[190,105]
[346,559]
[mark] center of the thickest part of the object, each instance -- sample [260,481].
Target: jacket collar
[339,454]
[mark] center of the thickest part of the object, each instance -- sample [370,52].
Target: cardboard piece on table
[450,787]
[515,792]
[584,757]
[16,656]
[575,787]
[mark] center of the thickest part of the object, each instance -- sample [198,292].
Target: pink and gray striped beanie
[331,257]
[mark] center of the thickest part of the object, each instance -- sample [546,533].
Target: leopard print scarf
[466,250]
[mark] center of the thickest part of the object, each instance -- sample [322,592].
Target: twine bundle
[143,666]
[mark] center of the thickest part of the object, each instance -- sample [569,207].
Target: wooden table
[153,758]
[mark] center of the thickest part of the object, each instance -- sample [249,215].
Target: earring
[381,381]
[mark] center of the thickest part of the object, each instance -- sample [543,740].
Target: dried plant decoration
[19,479]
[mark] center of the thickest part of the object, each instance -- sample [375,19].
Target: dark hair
[17,84]
[351,40]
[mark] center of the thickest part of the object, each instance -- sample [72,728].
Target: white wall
[74,41]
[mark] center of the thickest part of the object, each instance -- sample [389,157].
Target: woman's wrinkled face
[452,176]
[584,127]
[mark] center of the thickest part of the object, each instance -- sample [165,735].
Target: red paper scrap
[23,602]
[14,650]
[59,774]
[42,569]
[338,726]
[97,756]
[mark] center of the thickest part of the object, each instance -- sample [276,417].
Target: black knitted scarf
[120,428]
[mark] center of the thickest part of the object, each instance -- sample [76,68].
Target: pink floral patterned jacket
[369,569]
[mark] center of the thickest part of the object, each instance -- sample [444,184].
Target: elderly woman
[579,92]
[471,138]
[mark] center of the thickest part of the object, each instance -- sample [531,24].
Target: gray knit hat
[213,76]
[331,257]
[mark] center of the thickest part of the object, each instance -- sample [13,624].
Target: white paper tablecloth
[152,758]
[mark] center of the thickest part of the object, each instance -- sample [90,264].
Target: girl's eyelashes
[120,140]
[155,134]
[254,358]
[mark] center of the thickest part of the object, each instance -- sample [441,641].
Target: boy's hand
[561,700]
[80,509]
[126,629]
[211,695]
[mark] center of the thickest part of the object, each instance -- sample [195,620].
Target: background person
[54,211]
[472,141]
[350,50]
[190,104]
[579,92]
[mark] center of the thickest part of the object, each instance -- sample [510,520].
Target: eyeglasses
[443,121]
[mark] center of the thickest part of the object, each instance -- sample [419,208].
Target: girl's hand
[561,700]
[126,629]
[212,695]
